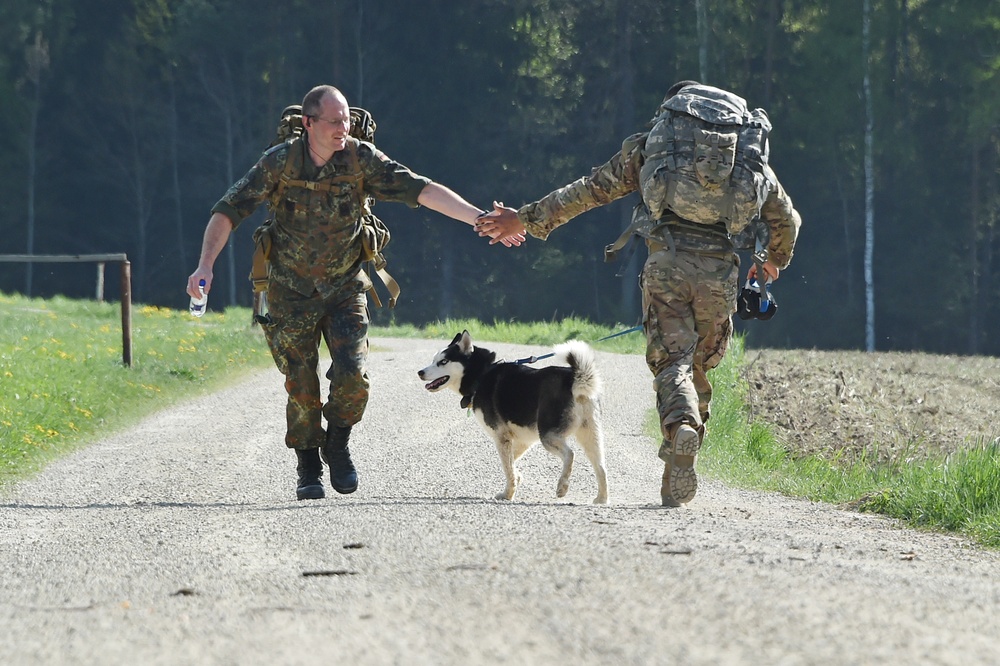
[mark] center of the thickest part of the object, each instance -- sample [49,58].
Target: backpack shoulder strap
[295,148]
[643,226]
[352,155]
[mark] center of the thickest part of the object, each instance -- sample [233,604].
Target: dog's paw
[562,487]
[504,495]
[601,499]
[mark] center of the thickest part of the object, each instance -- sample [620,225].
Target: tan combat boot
[680,482]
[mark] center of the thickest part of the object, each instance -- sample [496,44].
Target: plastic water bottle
[197,307]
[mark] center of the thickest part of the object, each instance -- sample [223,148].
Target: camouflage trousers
[688,302]
[298,324]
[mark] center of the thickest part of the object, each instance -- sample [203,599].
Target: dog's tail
[579,356]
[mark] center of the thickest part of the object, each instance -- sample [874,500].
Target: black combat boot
[343,476]
[310,471]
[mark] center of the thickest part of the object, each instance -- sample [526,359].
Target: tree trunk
[32,161]
[701,12]
[142,208]
[869,180]
[848,251]
[974,296]
[37,56]
[447,306]
[359,41]
[626,122]
[773,15]
[230,178]
[175,169]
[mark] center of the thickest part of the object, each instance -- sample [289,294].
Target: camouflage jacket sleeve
[388,180]
[253,189]
[614,179]
[783,221]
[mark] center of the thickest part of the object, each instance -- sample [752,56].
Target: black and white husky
[519,405]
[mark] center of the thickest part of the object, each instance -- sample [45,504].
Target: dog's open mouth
[437,383]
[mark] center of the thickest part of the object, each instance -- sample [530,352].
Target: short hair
[676,88]
[313,99]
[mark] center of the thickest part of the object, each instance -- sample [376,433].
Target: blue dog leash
[533,359]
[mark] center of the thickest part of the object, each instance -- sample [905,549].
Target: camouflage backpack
[374,233]
[705,159]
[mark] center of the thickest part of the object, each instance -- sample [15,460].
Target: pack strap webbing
[260,268]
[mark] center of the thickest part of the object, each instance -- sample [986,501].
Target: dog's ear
[458,336]
[465,345]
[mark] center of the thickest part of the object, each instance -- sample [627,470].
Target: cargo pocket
[714,156]
[715,348]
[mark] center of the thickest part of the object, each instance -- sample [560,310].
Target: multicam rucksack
[704,165]
[705,159]
[374,233]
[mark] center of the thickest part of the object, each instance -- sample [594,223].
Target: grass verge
[62,381]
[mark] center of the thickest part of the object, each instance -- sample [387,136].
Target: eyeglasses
[335,123]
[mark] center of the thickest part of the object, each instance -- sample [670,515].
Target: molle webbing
[355,177]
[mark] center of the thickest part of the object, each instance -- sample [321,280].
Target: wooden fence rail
[100,260]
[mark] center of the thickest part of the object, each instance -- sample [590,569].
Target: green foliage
[961,492]
[763,448]
[64,381]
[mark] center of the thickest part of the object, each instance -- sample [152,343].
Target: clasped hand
[501,225]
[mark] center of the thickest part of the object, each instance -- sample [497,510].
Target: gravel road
[180,542]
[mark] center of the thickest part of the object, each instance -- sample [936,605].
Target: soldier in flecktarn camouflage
[318,184]
[703,175]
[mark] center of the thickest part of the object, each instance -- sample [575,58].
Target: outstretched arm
[443,200]
[608,182]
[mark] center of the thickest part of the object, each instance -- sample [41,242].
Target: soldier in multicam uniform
[316,285]
[689,286]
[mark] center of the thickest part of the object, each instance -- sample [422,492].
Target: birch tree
[869,179]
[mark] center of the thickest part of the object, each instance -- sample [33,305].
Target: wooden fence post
[127,313]
[100,281]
